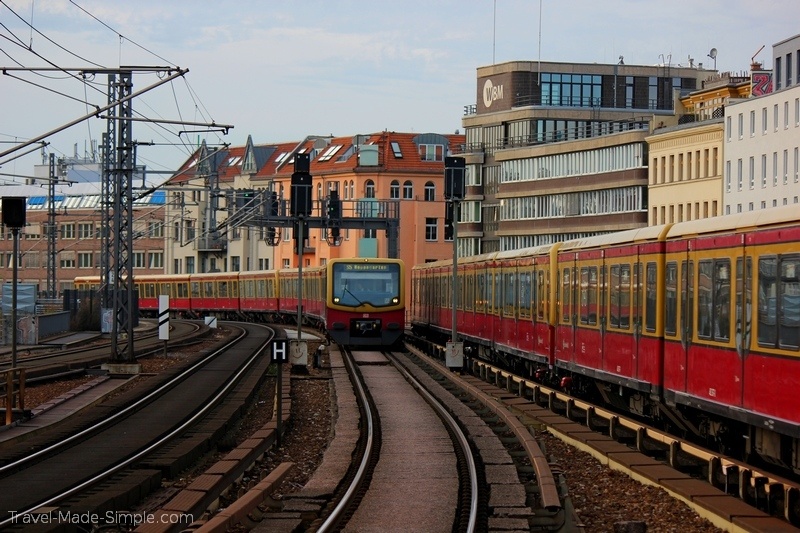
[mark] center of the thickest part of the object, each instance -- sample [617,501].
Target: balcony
[211,244]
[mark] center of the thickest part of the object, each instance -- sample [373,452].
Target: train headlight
[395,300]
[336,299]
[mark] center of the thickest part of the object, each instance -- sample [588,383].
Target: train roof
[638,235]
[774,216]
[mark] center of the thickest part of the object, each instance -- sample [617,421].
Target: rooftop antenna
[494,28]
[713,55]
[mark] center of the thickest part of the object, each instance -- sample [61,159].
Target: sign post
[163,320]
[454,184]
[279,356]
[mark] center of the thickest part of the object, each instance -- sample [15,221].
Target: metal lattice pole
[122,225]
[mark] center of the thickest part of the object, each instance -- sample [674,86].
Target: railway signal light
[334,216]
[300,203]
[271,208]
[449,208]
[455,170]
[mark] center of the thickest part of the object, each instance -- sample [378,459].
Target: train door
[508,303]
[526,321]
[619,343]
[713,345]
[588,346]
[564,342]
[678,314]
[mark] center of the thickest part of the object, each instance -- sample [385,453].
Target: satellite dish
[713,53]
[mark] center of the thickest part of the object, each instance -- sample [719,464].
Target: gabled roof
[386,151]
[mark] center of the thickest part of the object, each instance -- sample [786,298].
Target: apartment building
[556,151]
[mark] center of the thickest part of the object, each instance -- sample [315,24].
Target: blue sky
[281,70]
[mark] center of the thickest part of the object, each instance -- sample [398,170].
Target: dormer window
[431,152]
[330,152]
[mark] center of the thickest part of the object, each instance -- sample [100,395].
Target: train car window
[589,296]
[509,293]
[637,296]
[778,302]
[195,289]
[704,301]
[566,307]
[541,294]
[625,297]
[789,332]
[687,302]
[469,300]
[223,289]
[183,290]
[235,289]
[480,290]
[714,299]
[525,287]
[740,292]
[614,298]
[208,289]
[497,288]
[671,303]
[722,300]
[650,295]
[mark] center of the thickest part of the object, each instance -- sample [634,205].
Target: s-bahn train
[693,325]
[358,302]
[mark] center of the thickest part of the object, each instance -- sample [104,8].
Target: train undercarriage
[750,438]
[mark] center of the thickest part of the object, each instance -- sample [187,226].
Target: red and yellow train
[695,325]
[358,302]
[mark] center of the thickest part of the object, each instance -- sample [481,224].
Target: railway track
[731,494]
[42,363]
[498,480]
[88,470]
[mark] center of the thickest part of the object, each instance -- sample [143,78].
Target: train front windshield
[356,284]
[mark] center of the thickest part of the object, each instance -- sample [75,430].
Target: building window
[739,174]
[778,73]
[752,172]
[156,259]
[190,268]
[431,152]
[752,123]
[85,260]
[431,229]
[285,263]
[236,263]
[764,120]
[369,189]
[68,232]
[430,192]
[394,190]
[66,260]
[408,190]
[85,230]
[138,260]
[398,153]
[741,125]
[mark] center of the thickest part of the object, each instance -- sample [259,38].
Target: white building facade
[762,141]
